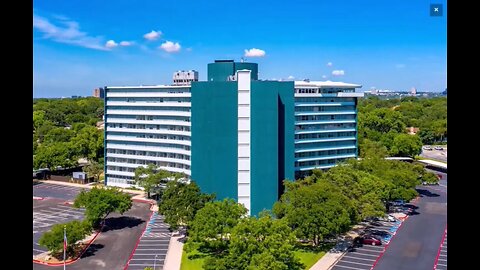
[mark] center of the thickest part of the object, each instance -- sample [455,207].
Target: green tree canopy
[151,177]
[180,201]
[53,239]
[406,145]
[99,202]
[315,211]
[214,223]
[258,243]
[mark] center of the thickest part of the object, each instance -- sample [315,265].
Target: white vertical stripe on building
[244,144]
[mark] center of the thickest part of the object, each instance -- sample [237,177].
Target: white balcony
[150,158]
[152,104]
[151,122]
[134,139]
[151,131]
[149,94]
[325,113]
[332,139]
[146,112]
[324,157]
[302,150]
[121,146]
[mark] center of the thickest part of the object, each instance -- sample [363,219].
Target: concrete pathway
[173,260]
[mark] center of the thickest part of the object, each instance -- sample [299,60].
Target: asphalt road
[417,242]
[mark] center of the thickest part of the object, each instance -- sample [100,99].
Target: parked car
[438,148]
[367,240]
[378,233]
[398,203]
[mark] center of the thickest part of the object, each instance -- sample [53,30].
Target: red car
[368,240]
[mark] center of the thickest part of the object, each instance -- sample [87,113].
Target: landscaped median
[81,246]
[308,256]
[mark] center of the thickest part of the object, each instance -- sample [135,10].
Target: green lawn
[307,257]
[191,264]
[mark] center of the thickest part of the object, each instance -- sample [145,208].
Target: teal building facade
[242,134]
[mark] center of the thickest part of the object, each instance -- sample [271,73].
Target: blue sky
[79,45]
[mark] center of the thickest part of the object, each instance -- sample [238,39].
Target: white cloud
[126,43]
[153,35]
[111,44]
[170,47]
[400,65]
[66,31]
[329,64]
[324,76]
[253,52]
[338,72]
[291,77]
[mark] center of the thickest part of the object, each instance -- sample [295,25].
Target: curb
[139,238]
[77,258]
[440,249]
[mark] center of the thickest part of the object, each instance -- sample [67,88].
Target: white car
[391,218]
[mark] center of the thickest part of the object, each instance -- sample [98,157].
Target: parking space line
[364,259]
[347,267]
[441,264]
[374,247]
[362,254]
[356,263]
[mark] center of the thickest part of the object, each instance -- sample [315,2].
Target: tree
[53,155]
[94,169]
[430,178]
[406,145]
[53,239]
[88,143]
[258,243]
[370,148]
[367,192]
[315,211]
[214,223]
[180,202]
[99,202]
[427,136]
[151,177]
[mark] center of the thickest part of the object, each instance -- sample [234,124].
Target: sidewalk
[332,256]
[173,260]
[88,186]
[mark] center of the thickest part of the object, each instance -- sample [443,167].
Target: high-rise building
[146,124]
[325,124]
[235,135]
[242,134]
[99,92]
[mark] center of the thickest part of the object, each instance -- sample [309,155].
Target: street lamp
[155,263]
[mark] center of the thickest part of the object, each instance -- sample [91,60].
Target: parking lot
[152,248]
[441,263]
[48,190]
[47,213]
[431,152]
[364,256]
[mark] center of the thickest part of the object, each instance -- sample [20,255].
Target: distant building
[99,92]
[413,91]
[182,77]
[413,130]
